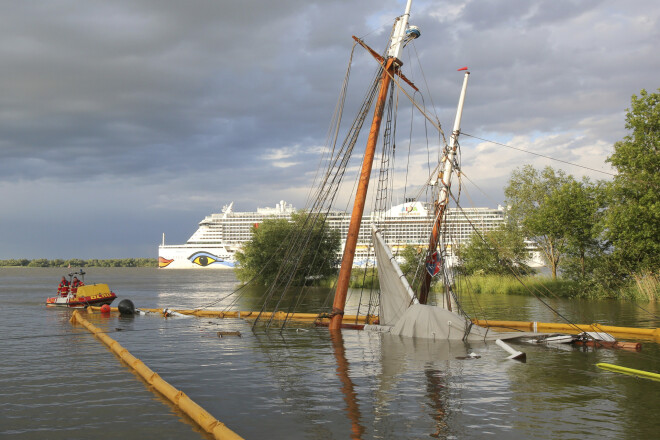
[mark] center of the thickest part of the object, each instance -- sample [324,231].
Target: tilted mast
[444,178]
[390,68]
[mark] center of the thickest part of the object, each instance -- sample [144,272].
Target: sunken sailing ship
[394,308]
[401,311]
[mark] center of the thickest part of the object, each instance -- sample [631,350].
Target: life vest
[63,288]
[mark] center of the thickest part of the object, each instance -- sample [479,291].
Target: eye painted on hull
[204,259]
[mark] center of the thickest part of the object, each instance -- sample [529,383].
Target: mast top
[399,36]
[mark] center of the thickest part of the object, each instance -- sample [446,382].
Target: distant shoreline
[75,263]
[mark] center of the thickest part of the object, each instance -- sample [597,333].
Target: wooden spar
[360,198]
[443,198]
[381,61]
[392,64]
[433,243]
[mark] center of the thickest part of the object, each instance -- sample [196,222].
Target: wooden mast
[444,178]
[392,64]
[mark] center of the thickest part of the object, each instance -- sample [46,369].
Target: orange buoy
[105,308]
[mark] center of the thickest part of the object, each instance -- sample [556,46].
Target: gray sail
[401,314]
[433,322]
[396,295]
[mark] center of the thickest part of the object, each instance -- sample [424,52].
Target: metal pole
[443,197]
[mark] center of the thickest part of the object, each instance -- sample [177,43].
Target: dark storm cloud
[545,66]
[147,113]
[102,81]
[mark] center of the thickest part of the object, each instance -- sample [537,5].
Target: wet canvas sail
[433,322]
[396,293]
[402,315]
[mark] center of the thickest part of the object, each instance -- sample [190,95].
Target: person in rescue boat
[63,288]
[75,284]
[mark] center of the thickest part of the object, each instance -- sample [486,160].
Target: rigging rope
[517,275]
[540,155]
[321,203]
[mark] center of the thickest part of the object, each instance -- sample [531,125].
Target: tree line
[75,262]
[603,234]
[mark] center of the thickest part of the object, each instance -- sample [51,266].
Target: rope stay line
[540,155]
[319,206]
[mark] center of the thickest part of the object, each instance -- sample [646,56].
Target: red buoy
[105,308]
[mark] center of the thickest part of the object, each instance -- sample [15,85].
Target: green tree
[583,204]
[413,265]
[305,249]
[496,252]
[535,205]
[632,221]
[76,262]
[40,262]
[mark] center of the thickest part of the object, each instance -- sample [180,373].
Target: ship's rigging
[386,85]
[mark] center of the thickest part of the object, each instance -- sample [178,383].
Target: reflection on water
[348,388]
[57,381]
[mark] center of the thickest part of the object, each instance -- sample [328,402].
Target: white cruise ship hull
[219,236]
[195,257]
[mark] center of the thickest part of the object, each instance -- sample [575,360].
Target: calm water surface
[59,382]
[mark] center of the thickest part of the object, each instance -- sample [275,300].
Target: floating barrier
[198,414]
[541,327]
[301,317]
[545,327]
[629,371]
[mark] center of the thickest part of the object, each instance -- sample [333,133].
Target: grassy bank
[364,278]
[360,279]
[644,288]
[641,288]
[508,285]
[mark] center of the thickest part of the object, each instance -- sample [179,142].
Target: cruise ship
[219,236]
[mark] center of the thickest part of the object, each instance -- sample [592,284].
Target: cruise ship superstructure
[219,236]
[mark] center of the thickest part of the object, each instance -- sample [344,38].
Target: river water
[59,382]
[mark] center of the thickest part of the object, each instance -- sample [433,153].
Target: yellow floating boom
[205,420]
[541,327]
[630,371]
[545,327]
[281,316]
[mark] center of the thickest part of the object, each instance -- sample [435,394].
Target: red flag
[462,68]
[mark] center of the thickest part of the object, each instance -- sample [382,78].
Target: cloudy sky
[123,120]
